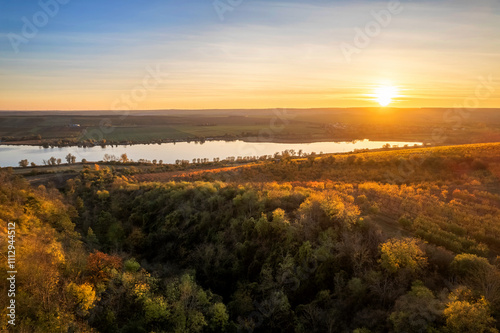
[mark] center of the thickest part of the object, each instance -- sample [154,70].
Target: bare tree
[70,158]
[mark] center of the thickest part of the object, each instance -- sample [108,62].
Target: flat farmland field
[280,125]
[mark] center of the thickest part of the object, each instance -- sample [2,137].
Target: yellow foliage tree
[279,216]
[403,253]
[83,296]
[464,314]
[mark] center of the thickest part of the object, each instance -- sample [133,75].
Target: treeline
[457,164]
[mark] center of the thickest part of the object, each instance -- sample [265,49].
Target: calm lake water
[170,152]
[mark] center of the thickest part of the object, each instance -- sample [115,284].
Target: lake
[170,152]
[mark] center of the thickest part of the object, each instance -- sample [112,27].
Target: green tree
[416,311]
[219,317]
[193,308]
[468,265]
[91,239]
[477,273]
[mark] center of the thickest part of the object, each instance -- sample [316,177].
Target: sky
[206,54]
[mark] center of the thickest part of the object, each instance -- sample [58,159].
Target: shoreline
[69,167]
[146,164]
[48,145]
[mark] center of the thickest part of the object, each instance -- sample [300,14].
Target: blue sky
[263,54]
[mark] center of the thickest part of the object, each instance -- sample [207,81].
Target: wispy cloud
[266,54]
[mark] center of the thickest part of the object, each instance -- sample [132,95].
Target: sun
[385,94]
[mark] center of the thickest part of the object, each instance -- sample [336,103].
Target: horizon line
[244,109]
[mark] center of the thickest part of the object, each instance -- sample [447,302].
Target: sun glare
[385,94]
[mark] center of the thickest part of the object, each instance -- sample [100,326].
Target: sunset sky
[260,54]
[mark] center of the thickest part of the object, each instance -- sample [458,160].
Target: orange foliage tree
[100,265]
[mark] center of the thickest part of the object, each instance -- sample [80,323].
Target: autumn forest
[403,240]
